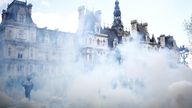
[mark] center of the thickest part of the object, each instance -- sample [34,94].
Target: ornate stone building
[25,48]
[109,37]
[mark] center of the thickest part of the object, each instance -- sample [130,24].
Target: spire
[117,23]
[117,12]
[117,4]
[153,40]
[117,15]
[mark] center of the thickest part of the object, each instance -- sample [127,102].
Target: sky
[163,16]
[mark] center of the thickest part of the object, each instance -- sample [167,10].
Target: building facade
[26,49]
[110,37]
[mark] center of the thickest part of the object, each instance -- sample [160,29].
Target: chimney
[162,40]
[81,11]
[98,16]
[134,25]
[145,26]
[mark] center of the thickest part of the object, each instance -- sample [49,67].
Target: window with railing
[20,56]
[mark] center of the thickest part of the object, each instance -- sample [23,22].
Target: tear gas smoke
[145,79]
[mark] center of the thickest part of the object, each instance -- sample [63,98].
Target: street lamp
[184,52]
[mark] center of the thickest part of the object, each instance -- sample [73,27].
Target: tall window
[20,56]
[9,51]
[31,53]
[20,68]
[103,42]
[98,42]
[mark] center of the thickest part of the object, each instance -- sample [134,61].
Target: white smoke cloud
[145,79]
[180,94]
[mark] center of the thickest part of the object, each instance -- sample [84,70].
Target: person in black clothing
[28,86]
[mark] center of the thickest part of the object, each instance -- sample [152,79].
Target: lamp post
[184,52]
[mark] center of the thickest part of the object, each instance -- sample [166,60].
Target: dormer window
[21,15]
[21,18]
